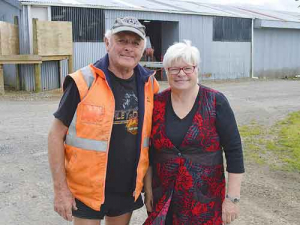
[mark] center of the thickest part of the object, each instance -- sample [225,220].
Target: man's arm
[63,198]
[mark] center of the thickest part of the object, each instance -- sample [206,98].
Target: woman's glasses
[176,70]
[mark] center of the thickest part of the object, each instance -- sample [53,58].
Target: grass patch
[277,146]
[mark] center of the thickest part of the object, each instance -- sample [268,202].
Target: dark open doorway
[161,34]
[153,30]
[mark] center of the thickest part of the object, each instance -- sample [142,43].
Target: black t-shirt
[176,128]
[123,142]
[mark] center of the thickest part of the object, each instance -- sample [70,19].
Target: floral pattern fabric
[188,184]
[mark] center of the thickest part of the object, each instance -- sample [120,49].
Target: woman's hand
[149,201]
[230,211]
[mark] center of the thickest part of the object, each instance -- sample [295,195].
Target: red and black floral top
[188,180]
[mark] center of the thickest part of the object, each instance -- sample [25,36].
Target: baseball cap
[130,24]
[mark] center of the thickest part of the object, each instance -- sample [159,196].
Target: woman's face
[182,76]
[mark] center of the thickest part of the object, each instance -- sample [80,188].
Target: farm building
[234,42]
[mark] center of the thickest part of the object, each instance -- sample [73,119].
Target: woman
[192,126]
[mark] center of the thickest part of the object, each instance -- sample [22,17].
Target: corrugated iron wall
[25,71]
[276,52]
[85,53]
[24,32]
[50,75]
[219,60]
[88,25]
[63,71]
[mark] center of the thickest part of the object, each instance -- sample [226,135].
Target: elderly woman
[192,126]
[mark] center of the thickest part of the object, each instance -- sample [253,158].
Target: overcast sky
[289,5]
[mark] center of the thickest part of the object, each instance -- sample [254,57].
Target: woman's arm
[234,185]
[148,190]
[230,206]
[231,142]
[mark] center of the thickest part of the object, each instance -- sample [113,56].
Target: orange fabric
[86,169]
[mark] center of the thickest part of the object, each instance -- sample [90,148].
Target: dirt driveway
[268,197]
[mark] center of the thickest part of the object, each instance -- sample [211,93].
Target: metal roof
[14,3]
[172,6]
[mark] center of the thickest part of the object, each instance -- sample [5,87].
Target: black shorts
[114,205]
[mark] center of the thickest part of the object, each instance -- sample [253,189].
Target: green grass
[277,146]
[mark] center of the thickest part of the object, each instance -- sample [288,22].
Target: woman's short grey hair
[181,51]
[108,35]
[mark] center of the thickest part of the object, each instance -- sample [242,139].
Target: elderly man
[99,140]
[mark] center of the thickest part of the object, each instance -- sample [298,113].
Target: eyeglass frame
[181,68]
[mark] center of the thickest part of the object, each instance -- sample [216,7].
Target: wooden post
[70,64]
[1,80]
[60,75]
[16,22]
[37,67]
[34,37]
[1,71]
[0,42]
[37,77]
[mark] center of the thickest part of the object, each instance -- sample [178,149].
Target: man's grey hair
[108,35]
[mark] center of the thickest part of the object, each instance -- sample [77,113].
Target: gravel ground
[268,197]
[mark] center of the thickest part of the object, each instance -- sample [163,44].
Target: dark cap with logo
[130,24]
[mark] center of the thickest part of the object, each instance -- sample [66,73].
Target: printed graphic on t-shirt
[128,114]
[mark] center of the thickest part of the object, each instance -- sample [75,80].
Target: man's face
[125,50]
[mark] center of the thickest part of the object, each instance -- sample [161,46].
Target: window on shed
[231,29]
[88,24]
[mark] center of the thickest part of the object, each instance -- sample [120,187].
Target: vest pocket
[93,114]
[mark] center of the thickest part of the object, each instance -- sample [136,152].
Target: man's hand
[149,201]
[63,203]
[230,211]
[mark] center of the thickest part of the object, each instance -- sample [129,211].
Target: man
[99,140]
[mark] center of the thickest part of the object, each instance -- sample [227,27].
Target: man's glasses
[176,70]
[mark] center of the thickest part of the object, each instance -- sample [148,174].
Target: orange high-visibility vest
[88,137]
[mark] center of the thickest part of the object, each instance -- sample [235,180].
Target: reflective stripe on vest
[88,76]
[87,144]
[152,82]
